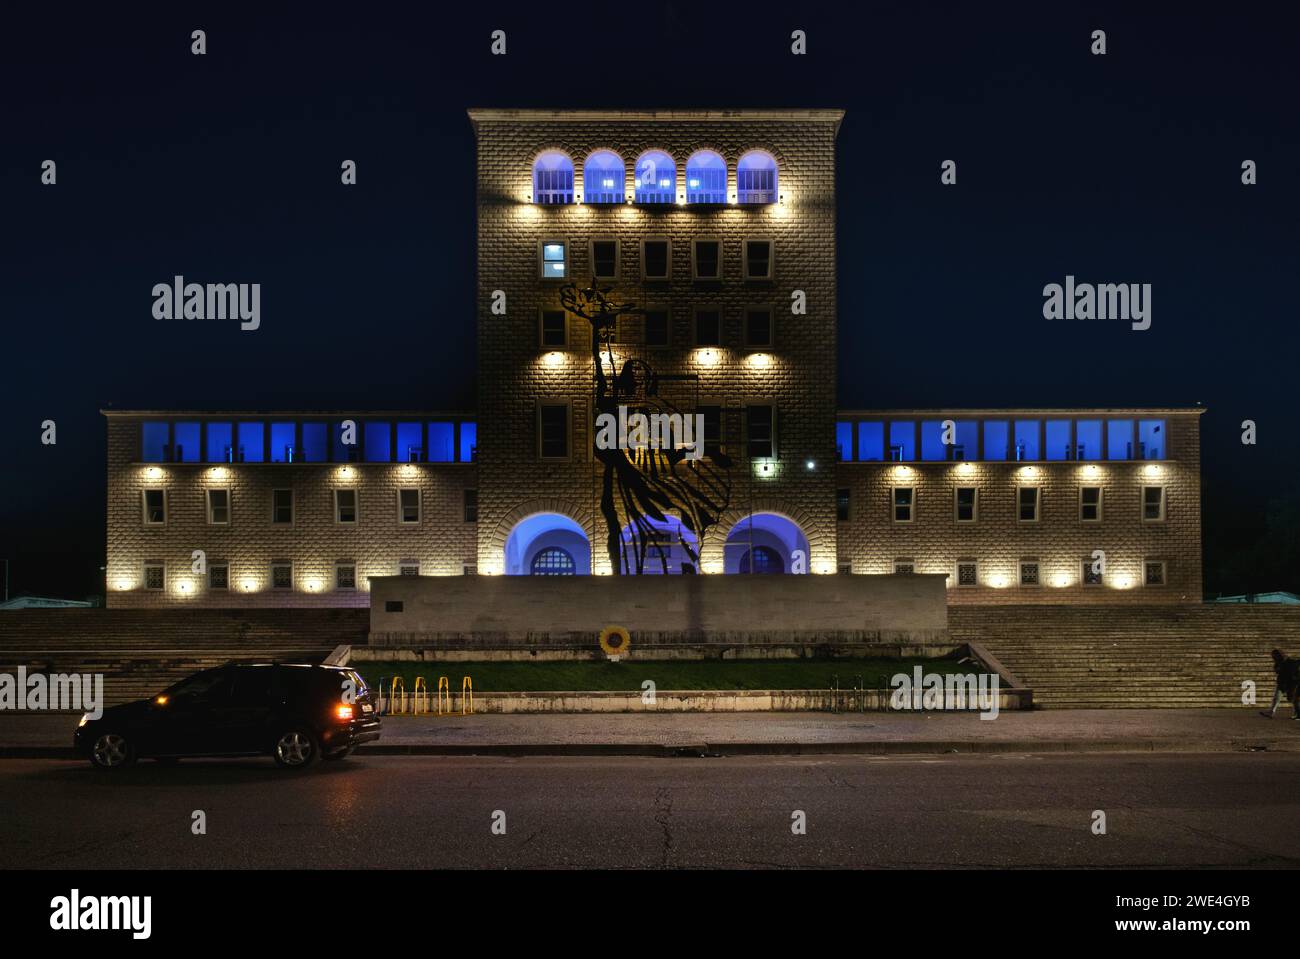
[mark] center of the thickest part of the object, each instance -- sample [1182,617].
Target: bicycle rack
[466,689]
[420,695]
[444,689]
[398,683]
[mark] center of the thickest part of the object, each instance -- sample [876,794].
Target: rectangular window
[1119,440]
[706,259]
[155,507]
[154,438]
[408,506]
[656,260]
[997,435]
[282,506]
[442,442]
[1059,444]
[966,497]
[871,442]
[469,502]
[220,442]
[1151,439]
[1027,504]
[1091,572]
[218,507]
[1090,504]
[410,442]
[1029,572]
[708,328]
[904,567]
[154,576]
[604,259]
[345,506]
[761,435]
[252,443]
[379,442]
[1027,447]
[218,576]
[967,573]
[408,567]
[903,498]
[553,431]
[345,575]
[315,442]
[346,449]
[712,429]
[842,499]
[554,331]
[468,441]
[657,329]
[282,575]
[758,327]
[283,443]
[844,569]
[554,260]
[469,569]
[965,445]
[844,441]
[758,259]
[185,443]
[1087,440]
[902,441]
[1153,572]
[932,444]
[1153,504]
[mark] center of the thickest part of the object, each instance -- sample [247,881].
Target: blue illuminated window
[468,442]
[967,437]
[252,443]
[706,178]
[379,442]
[902,441]
[871,442]
[410,442]
[603,178]
[554,260]
[1087,438]
[932,440]
[442,443]
[1027,440]
[1151,439]
[185,443]
[346,452]
[656,178]
[220,440]
[314,443]
[153,442]
[997,437]
[282,443]
[844,440]
[756,178]
[552,179]
[1058,440]
[1119,440]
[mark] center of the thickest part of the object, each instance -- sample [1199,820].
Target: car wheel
[296,748]
[111,751]
[340,753]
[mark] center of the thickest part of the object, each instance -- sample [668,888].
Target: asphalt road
[999,811]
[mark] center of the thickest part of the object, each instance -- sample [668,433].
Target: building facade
[720,228]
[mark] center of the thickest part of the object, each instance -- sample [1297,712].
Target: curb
[723,750]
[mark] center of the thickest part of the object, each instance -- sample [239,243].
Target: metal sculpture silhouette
[644,484]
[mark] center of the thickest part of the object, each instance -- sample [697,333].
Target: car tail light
[343,713]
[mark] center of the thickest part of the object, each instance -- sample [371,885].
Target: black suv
[295,713]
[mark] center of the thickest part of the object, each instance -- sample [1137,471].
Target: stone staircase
[142,651]
[1137,656]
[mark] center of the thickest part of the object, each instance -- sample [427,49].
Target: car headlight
[85,718]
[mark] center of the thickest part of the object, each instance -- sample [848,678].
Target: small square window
[154,576]
[282,576]
[903,498]
[1153,572]
[345,506]
[904,567]
[218,576]
[706,256]
[656,259]
[1090,504]
[708,328]
[469,499]
[155,507]
[393,606]
[408,506]
[282,506]
[758,259]
[758,327]
[1029,572]
[1091,574]
[408,567]
[345,576]
[1153,504]
[967,573]
[554,260]
[842,499]
[1027,503]
[554,329]
[657,329]
[845,569]
[469,569]
[604,259]
[218,507]
[966,500]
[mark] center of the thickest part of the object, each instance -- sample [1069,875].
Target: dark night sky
[1123,168]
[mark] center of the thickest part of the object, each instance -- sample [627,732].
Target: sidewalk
[1078,730]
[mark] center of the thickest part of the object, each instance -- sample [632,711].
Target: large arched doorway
[765,543]
[547,544]
[671,545]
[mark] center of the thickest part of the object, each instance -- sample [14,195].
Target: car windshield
[197,685]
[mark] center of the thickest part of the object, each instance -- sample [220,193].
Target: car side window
[204,687]
[253,686]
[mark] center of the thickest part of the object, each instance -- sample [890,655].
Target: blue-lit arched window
[603,178]
[756,178]
[553,561]
[656,178]
[706,178]
[762,560]
[552,178]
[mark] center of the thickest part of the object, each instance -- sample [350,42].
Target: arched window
[603,178]
[762,560]
[706,178]
[554,561]
[756,178]
[656,178]
[552,178]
